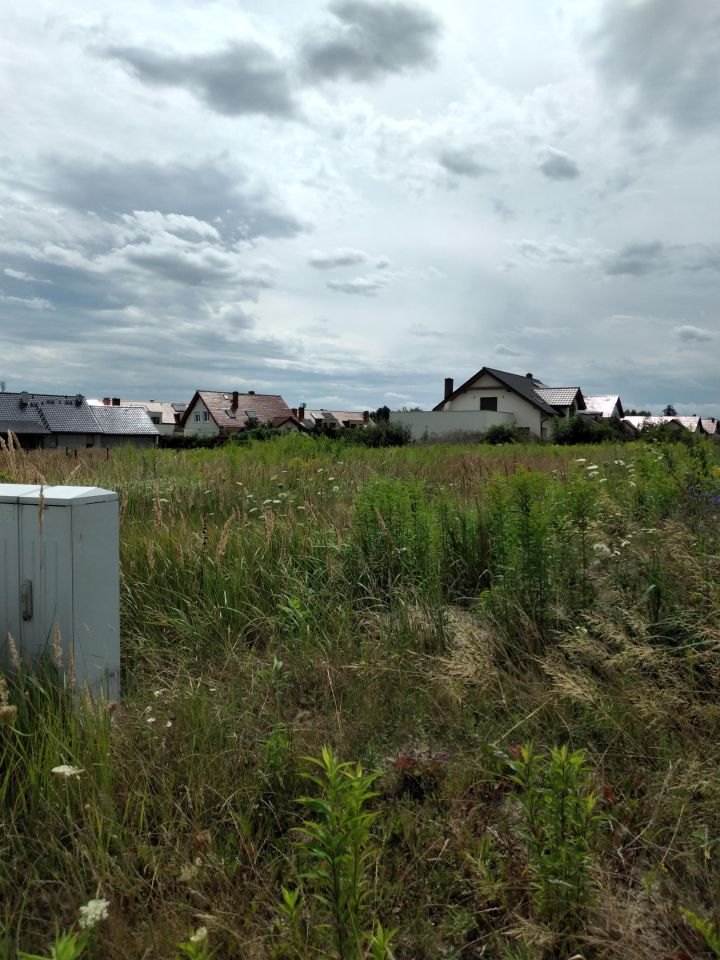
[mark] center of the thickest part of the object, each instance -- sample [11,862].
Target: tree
[637,413]
[382,415]
[669,411]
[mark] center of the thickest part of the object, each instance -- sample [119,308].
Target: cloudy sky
[346,202]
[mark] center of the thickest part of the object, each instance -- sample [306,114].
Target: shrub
[501,433]
[561,821]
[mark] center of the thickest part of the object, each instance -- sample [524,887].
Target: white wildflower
[277,501]
[157,693]
[267,501]
[200,935]
[252,509]
[93,912]
[602,480]
[65,770]
[592,466]
[150,719]
[168,723]
[336,489]
[581,460]
[330,479]
[601,550]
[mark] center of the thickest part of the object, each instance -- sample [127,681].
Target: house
[711,426]
[676,424]
[163,415]
[493,397]
[336,418]
[212,413]
[603,407]
[47,421]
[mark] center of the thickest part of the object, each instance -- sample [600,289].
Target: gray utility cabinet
[59,563]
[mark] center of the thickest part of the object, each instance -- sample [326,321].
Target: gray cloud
[358,286]
[504,351]
[243,78]
[557,165]
[688,332]
[371,40]
[340,257]
[461,162]
[655,257]
[666,56]
[210,191]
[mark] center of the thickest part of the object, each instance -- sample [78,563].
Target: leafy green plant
[706,928]
[335,851]
[561,820]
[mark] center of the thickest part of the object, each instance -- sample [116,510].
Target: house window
[206,416]
[488,403]
[156,418]
[197,418]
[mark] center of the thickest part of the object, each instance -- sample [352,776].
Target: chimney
[251,393]
[366,416]
[235,400]
[116,401]
[78,399]
[529,376]
[106,401]
[301,412]
[24,399]
[448,386]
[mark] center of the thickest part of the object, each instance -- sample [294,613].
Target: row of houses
[489,398]
[496,397]
[47,421]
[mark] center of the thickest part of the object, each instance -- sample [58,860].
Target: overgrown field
[427,613]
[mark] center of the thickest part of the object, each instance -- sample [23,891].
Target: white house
[211,412]
[492,397]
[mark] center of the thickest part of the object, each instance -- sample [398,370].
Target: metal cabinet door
[96,601]
[9,577]
[46,563]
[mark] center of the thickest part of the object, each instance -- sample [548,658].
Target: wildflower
[157,693]
[266,501]
[602,480]
[252,509]
[601,550]
[592,466]
[168,723]
[200,935]
[65,770]
[330,479]
[581,460]
[150,719]
[93,912]
[277,501]
[336,489]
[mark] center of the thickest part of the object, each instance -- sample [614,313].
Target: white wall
[508,402]
[204,428]
[441,424]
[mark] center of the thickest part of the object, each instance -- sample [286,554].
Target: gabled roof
[710,426]
[640,423]
[56,413]
[267,407]
[124,421]
[561,396]
[603,404]
[525,386]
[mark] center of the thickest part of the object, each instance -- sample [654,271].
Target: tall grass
[425,611]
